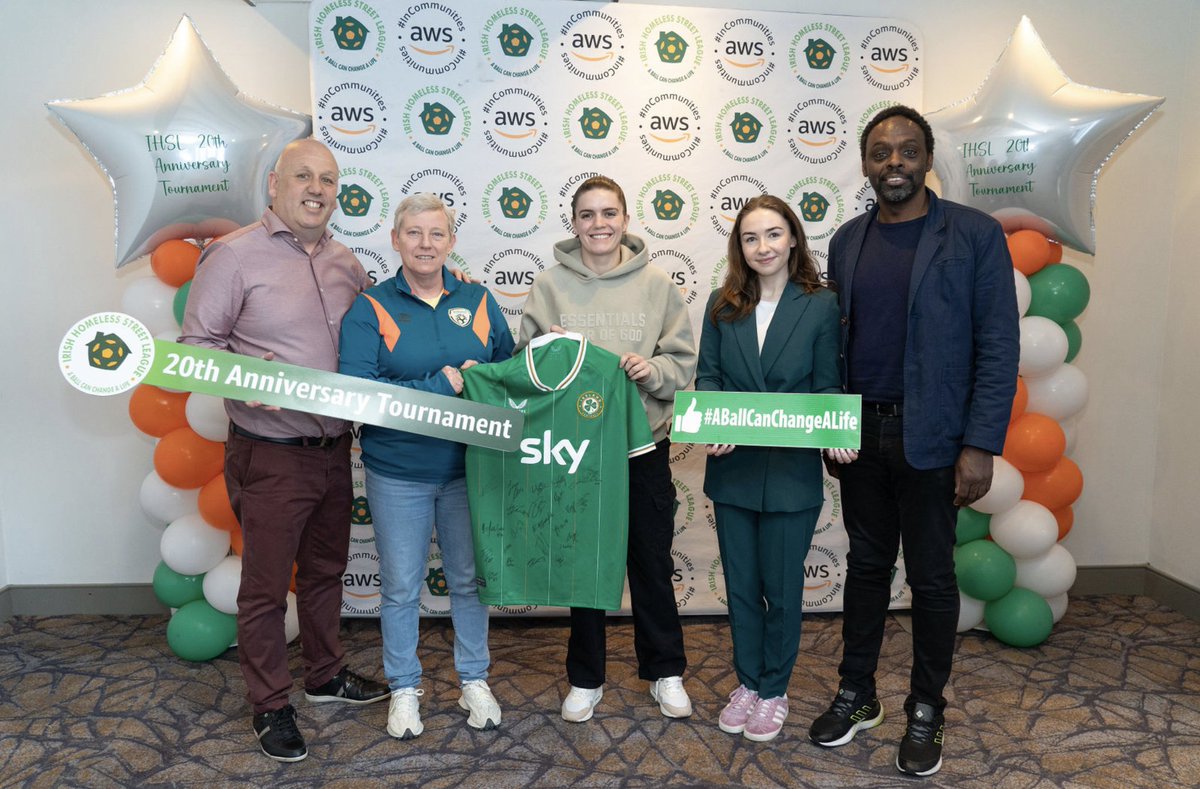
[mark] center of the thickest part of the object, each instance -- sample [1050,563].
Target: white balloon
[1071,431]
[165,503]
[970,612]
[1025,530]
[1043,347]
[1006,490]
[152,302]
[1024,292]
[291,619]
[1060,394]
[189,546]
[221,584]
[206,415]
[1050,574]
[1058,606]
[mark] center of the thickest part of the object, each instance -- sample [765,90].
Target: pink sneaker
[737,711]
[766,721]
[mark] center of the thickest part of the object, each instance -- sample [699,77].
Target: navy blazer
[799,354]
[960,357]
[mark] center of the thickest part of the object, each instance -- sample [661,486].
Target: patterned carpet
[1112,699]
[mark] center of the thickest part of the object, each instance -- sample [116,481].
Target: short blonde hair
[420,203]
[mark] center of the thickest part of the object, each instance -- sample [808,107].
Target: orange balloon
[1030,251]
[1020,400]
[1066,519]
[235,541]
[185,460]
[214,505]
[1056,488]
[174,261]
[1055,252]
[157,412]
[1035,442]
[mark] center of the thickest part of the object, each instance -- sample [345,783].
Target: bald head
[303,189]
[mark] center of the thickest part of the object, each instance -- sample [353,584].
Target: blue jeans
[404,513]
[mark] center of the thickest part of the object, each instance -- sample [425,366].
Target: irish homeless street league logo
[668,125]
[352,118]
[889,57]
[671,48]
[437,120]
[349,35]
[716,581]
[831,510]
[514,42]
[514,122]
[443,183]
[514,204]
[667,207]
[595,125]
[364,205]
[564,197]
[817,131]
[684,578]
[823,576]
[681,269]
[819,204]
[432,38]
[727,198]
[745,51]
[819,55]
[106,354]
[686,508]
[360,584]
[509,274]
[593,45]
[746,129]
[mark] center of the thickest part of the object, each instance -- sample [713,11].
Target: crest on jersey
[590,405]
[460,315]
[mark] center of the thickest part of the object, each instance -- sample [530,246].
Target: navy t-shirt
[879,312]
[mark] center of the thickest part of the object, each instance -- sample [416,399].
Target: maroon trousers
[293,504]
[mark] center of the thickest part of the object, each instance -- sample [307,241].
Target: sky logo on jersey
[820,205]
[819,55]
[745,51]
[437,120]
[592,45]
[546,451]
[349,35]
[727,198]
[746,129]
[817,131]
[890,57]
[671,48]
[432,38]
[514,42]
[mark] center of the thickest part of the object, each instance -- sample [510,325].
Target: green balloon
[1074,339]
[175,590]
[200,632]
[1060,292]
[1022,618]
[985,571]
[180,303]
[972,525]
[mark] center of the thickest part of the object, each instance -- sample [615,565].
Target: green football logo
[745,127]
[595,123]
[819,54]
[813,206]
[514,203]
[354,200]
[436,118]
[667,204]
[349,33]
[436,581]
[360,511]
[515,40]
[671,46]
[107,351]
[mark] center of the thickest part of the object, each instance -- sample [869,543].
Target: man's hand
[463,276]
[268,356]
[717,450]
[972,476]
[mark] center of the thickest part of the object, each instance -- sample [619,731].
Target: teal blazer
[800,354]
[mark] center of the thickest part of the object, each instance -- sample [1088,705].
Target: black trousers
[657,635]
[888,502]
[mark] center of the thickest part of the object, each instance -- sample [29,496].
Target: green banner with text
[768,420]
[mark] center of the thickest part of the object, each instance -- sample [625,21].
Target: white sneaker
[478,700]
[580,703]
[404,714]
[672,699]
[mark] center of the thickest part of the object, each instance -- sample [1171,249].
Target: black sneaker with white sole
[921,748]
[849,714]
[278,736]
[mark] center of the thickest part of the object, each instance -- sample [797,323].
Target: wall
[72,464]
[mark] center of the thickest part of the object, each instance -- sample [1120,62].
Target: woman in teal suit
[771,327]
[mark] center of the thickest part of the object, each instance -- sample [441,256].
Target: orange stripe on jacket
[388,329]
[483,324]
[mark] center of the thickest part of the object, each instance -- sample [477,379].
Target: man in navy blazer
[930,340]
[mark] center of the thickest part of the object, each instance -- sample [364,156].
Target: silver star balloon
[186,153]
[1028,146]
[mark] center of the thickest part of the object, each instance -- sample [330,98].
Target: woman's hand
[636,367]
[454,377]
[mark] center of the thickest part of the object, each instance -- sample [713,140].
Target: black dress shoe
[349,688]
[278,736]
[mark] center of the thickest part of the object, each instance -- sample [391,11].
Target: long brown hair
[740,292]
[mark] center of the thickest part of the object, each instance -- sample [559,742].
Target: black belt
[883,409]
[297,441]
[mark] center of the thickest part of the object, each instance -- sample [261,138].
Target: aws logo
[669,126]
[820,205]
[509,275]
[671,48]
[592,45]
[823,577]
[360,584]
[377,266]
[745,51]
[564,196]
[514,42]
[864,198]
[746,129]
[817,131]
[667,206]
[595,125]
[435,592]
[727,198]
[889,57]
[682,271]
[432,38]
[352,118]
[514,204]
[819,55]
[683,578]
[349,35]
[364,202]
[514,122]
[437,120]
[446,185]
[678,453]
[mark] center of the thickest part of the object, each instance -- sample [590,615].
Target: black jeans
[657,634]
[886,501]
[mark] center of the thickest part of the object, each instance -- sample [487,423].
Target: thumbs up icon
[689,421]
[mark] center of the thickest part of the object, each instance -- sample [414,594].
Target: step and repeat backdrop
[503,108]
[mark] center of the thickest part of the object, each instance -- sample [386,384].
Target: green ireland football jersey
[551,520]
